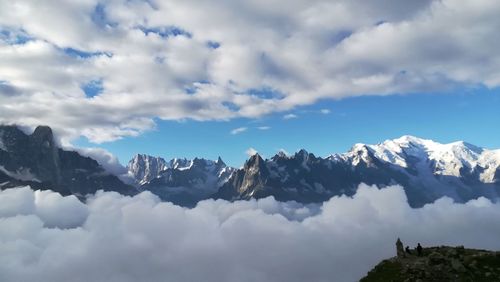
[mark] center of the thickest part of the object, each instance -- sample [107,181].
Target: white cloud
[325,111]
[306,51]
[263,127]
[107,160]
[251,151]
[284,152]
[290,116]
[118,238]
[238,130]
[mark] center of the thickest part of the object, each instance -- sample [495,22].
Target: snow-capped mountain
[181,181]
[144,168]
[428,170]
[35,160]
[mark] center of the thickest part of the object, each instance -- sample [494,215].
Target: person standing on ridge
[419,250]
[407,250]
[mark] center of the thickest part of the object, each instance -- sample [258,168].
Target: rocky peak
[280,155]
[177,163]
[255,174]
[255,162]
[220,162]
[144,168]
[303,156]
[36,160]
[43,135]
[200,162]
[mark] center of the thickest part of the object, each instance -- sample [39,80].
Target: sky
[325,128]
[203,79]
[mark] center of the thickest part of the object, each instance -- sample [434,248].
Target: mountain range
[426,169]
[181,181]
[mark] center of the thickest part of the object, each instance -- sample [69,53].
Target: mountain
[181,181]
[426,169]
[144,168]
[35,160]
[438,264]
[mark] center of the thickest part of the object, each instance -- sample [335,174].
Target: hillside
[439,264]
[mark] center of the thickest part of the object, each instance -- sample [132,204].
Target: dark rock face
[304,178]
[37,161]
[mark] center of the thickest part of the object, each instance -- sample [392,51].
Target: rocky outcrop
[439,264]
[36,160]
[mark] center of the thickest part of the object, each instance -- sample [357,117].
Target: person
[407,249]
[399,249]
[419,250]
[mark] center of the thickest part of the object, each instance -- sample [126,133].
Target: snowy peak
[185,182]
[450,159]
[145,168]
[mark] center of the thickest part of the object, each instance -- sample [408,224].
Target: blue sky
[472,115]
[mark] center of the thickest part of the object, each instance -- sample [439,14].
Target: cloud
[107,160]
[251,151]
[290,116]
[52,209]
[284,152]
[326,50]
[263,127]
[238,130]
[325,111]
[119,238]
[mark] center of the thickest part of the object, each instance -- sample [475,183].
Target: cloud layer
[107,70]
[45,237]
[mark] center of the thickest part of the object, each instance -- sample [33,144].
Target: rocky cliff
[438,264]
[36,160]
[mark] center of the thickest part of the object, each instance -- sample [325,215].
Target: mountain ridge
[426,169]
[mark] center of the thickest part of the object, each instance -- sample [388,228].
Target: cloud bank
[107,70]
[46,237]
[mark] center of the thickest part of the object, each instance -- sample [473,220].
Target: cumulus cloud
[251,151]
[107,160]
[52,209]
[290,116]
[209,65]
[118,238]
[238,130]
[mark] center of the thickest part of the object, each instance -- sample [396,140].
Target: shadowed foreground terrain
[439,264]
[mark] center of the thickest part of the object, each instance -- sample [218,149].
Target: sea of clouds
[47,237]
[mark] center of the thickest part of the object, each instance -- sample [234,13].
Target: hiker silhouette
[407,250]
[419,250]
